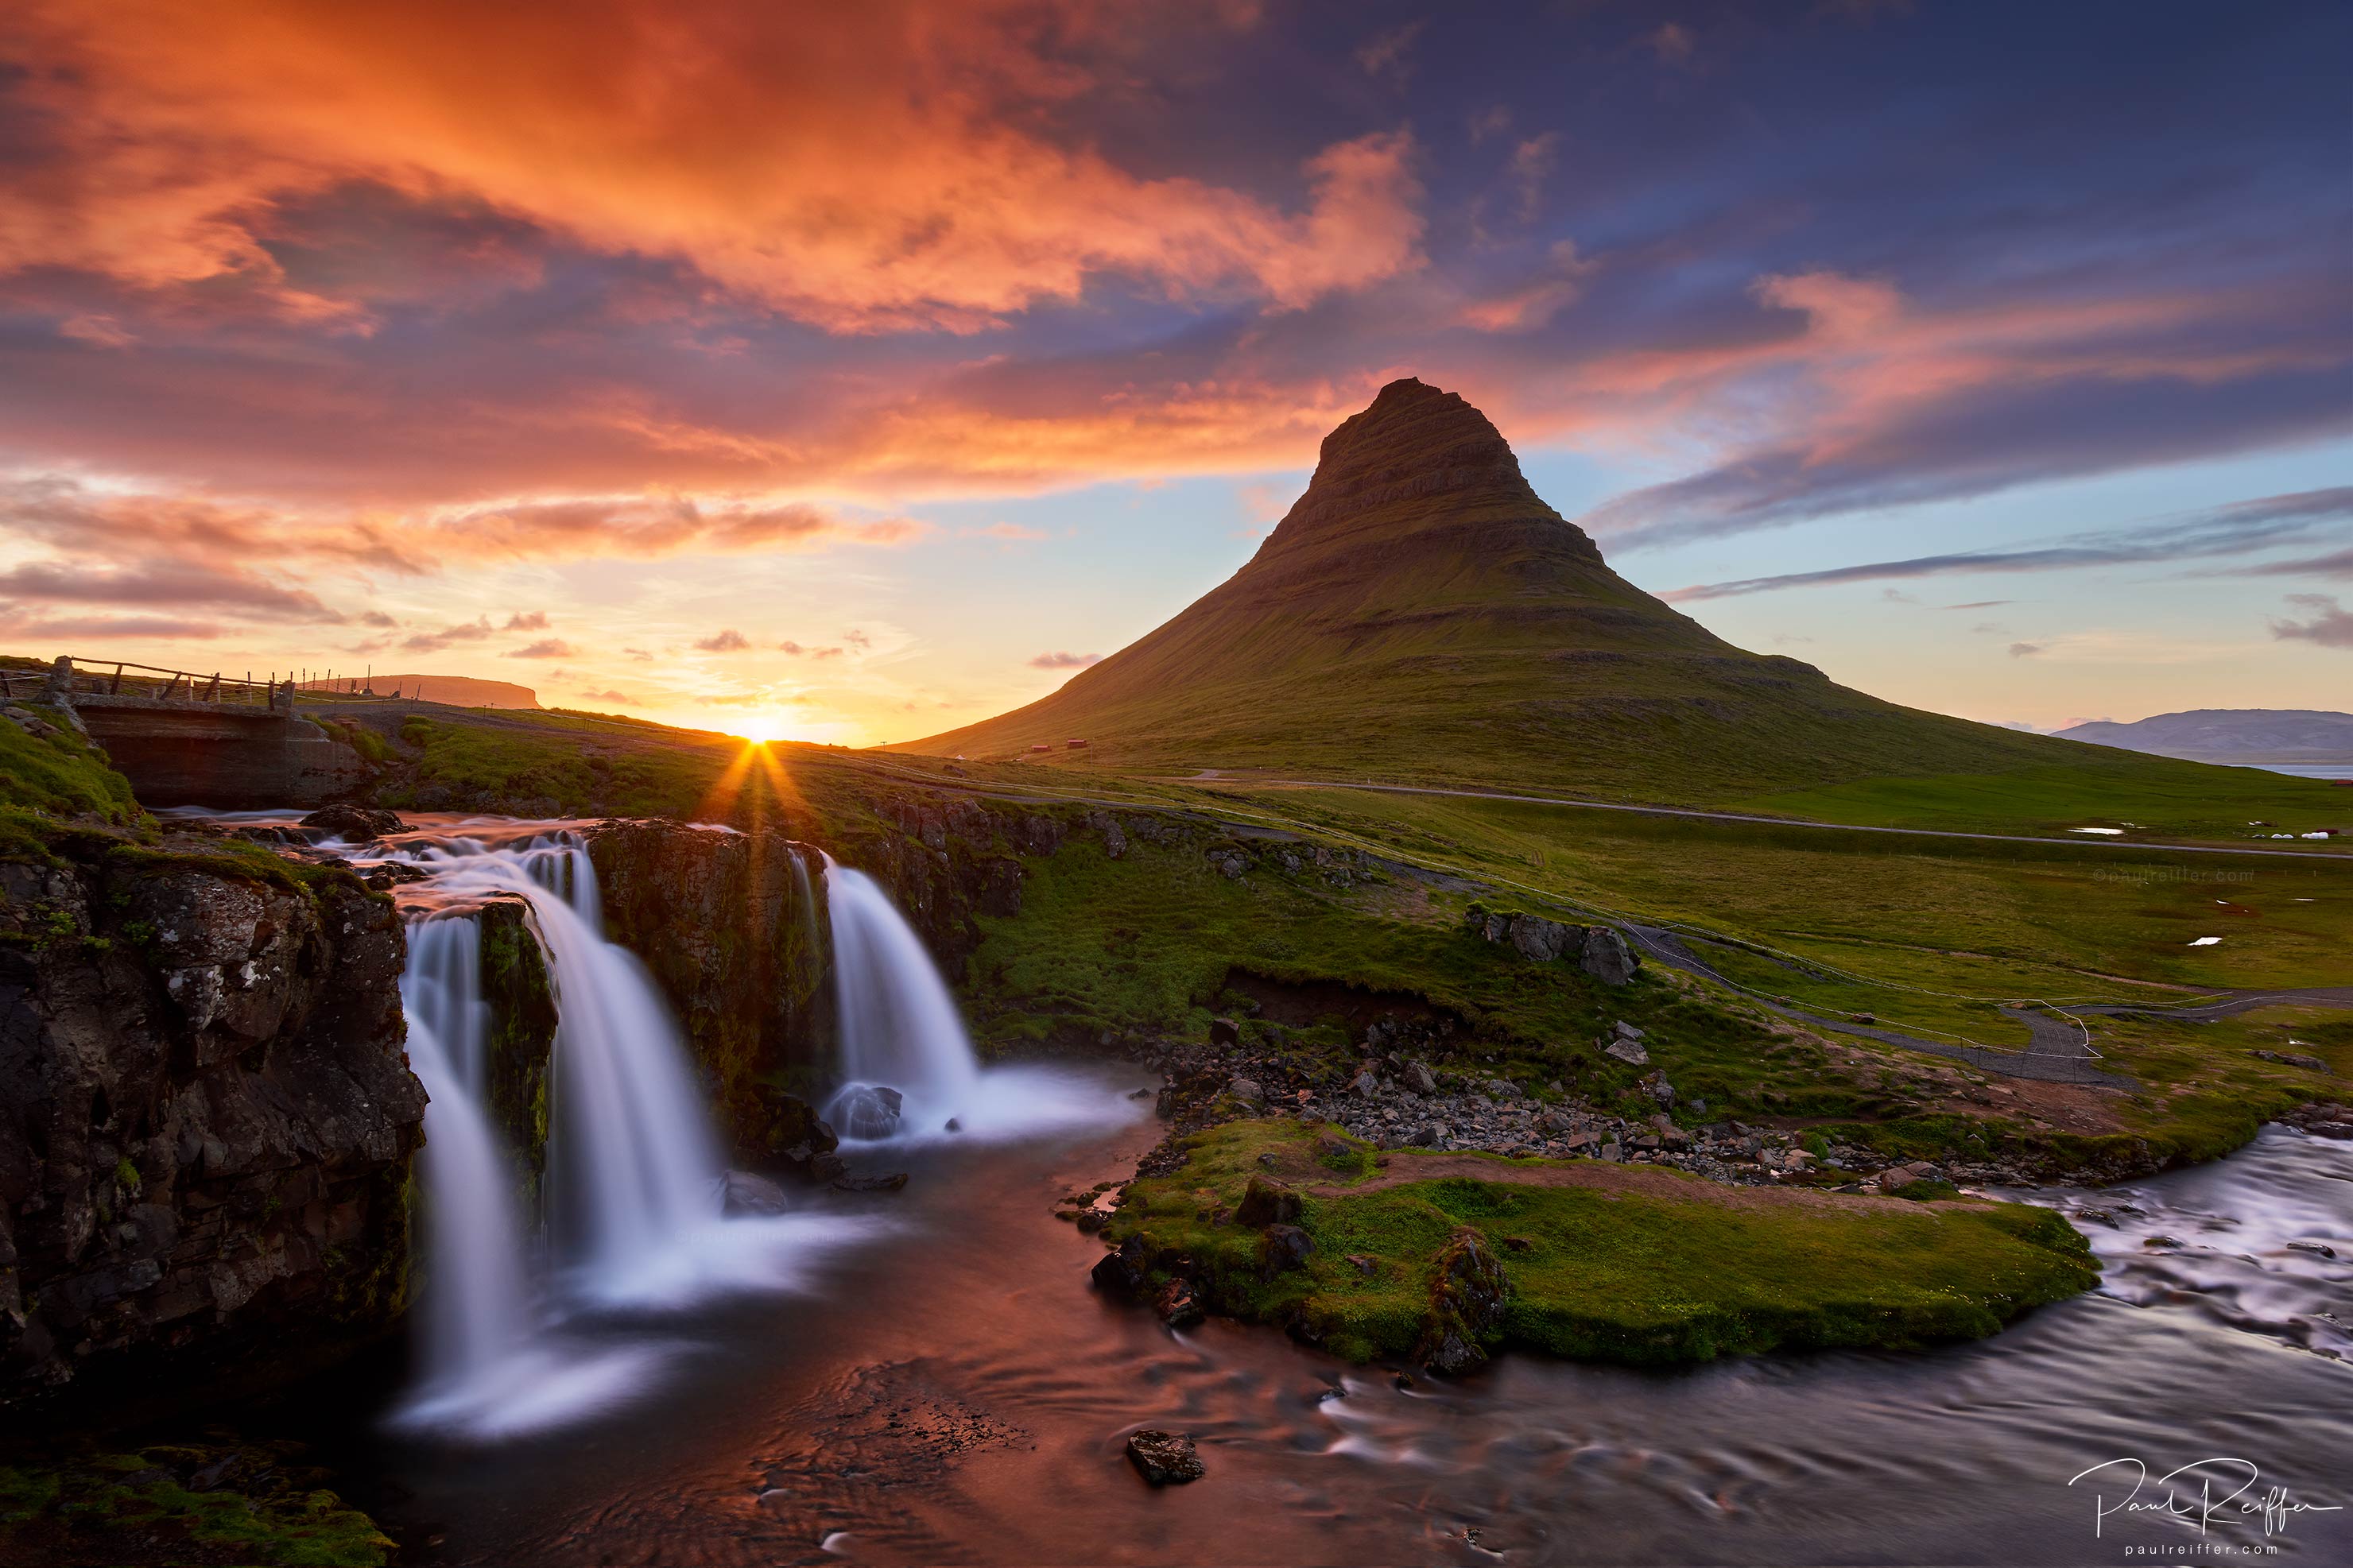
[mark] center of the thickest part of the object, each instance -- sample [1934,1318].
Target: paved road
[2085,840]
[2056,1053]
[2237,1002]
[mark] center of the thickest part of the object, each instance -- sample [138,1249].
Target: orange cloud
[864,168]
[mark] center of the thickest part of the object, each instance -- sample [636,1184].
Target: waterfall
[905,1058]
[476,1305]
[635,1178]
[633,1167]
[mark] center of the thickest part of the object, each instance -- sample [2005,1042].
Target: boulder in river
[1121,1273]
[868,1110]
[1165,1458]
[1180,1305]
[751,1194]
[354,824]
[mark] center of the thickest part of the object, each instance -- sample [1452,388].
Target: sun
[760,732]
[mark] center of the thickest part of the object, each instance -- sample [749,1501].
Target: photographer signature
[2203,1506]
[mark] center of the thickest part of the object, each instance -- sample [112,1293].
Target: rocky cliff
[521,1039]
[206,1116]
[731,927]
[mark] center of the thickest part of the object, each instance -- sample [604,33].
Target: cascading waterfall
[908,1067]
[900,1032]
[636,1183]
[633,1167]
[476,1313]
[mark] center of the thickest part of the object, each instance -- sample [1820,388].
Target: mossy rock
[166,1503]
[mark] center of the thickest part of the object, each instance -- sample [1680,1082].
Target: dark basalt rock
[1180,1305]
[1121,1273]
[521,1040]
[1467,1296]
[1267,1203]
[1287,1249]
[1165,1458]
[750,1194]
[875,1184]
[206,1118]
[720,922]
[354,824]
[867,1111]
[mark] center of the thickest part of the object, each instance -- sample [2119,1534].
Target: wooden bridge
[188,739]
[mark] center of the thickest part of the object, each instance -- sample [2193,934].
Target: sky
[854,372]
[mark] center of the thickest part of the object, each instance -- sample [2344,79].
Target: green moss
[61,774]
[239,860]
[1602,1273]
[246,1503]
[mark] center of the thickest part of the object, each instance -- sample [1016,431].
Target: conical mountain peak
[1420,614]
[1417,454]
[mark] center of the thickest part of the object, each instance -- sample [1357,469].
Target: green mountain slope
[1422,616]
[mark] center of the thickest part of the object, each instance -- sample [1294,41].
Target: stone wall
[200,754]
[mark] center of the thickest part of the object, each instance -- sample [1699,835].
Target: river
[952,1391]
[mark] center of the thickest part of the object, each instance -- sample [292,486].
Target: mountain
[2288,735]
[457,690]
[1421,614]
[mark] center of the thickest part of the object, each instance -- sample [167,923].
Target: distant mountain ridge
[457,691]
[2231,734]
[1420,615]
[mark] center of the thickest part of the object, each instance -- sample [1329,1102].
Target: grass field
[1927,935]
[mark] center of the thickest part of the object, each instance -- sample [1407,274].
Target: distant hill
[2285,735]
[1421,614]
[457,691]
